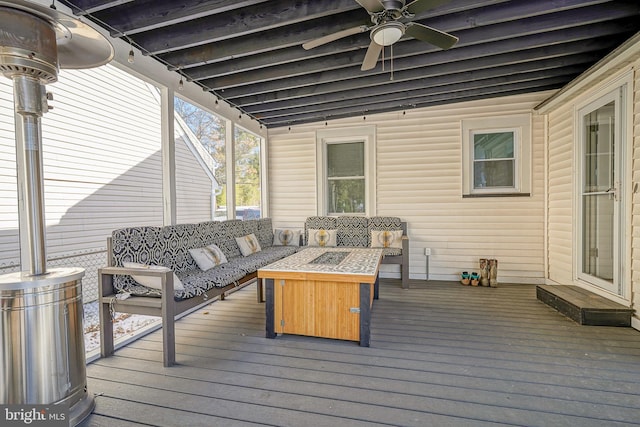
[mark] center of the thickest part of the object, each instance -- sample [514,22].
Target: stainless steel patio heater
[42,360]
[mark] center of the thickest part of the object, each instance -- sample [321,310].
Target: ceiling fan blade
[430,35]
[335,36]
[371,58]
[419,6]
[372,6]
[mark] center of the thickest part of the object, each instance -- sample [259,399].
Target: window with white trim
[497,156]
[346,171]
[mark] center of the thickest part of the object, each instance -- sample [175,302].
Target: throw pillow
[322,238]
[286,237]
[386,239]
[248,244]
[208,257]
[150,281]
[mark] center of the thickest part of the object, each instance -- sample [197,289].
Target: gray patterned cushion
[197,282]
[226,238]
[143,245]
[391,251]
[385,223]
[353,231]
[264,232]
[178,240]
[251,263]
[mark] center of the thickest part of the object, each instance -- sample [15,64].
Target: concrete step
[583,306]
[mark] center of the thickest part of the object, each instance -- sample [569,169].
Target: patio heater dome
[42,359]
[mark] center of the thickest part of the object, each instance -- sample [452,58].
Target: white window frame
[520,125]
[365,134]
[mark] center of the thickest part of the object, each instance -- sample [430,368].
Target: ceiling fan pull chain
[383,58]
[391,62]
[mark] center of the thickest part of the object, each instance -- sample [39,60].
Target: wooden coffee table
[322,292]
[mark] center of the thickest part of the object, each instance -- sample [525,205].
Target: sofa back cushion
[143,245]
[265,232]
[353,231]
[137,244]
[385,223]
[179,239]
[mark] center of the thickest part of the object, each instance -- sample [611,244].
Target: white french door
[600,205]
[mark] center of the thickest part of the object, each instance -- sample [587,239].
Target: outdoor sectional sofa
[161,255]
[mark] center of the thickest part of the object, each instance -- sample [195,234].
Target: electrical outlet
[427,251]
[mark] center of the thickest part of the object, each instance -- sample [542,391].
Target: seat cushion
[197,282]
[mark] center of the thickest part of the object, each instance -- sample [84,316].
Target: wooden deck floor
[441,354]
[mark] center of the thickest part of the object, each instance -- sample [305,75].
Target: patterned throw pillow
[386,239]
[150,281]
[248,244]
[323,238]
[208,257]
[286,237]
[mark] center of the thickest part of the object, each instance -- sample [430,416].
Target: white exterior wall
[560,204]
[102,163]
[193,187]
[419,179]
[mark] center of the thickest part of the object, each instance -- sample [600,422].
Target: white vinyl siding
[560,203]
[292,176]
[419,179]
[193,187]
[102,163]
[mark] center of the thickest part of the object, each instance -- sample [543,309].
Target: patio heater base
[44,315]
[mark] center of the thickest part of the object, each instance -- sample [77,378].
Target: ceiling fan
[388,28]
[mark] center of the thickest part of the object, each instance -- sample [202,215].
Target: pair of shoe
[473,278]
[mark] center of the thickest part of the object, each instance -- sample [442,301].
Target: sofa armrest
[167,308]
[165,274]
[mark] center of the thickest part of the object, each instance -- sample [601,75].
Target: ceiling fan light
[388,34]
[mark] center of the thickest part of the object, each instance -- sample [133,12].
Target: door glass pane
[598,194]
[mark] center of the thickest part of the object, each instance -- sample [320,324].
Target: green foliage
[247,156]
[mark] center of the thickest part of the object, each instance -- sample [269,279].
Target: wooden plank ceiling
[249,52]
